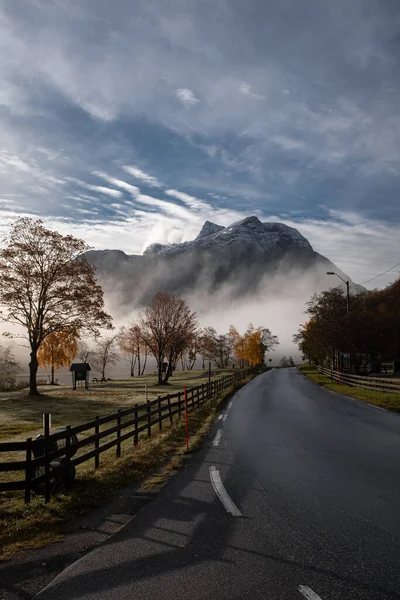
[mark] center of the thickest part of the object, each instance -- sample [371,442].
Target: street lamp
[347,286]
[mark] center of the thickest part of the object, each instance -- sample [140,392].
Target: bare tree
[8,368]
[105,354]
[167,328]
[134,348]
[47,286]
[83,351]
[216,348]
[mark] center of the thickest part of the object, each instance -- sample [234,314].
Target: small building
[80,372]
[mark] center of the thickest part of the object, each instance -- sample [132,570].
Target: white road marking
[229,405]
[220,416]
[378,407]
[222,494]
[224,418]
[217,438]
[308,593]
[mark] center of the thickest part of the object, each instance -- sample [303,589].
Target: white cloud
[142,176]
[191,201]
[96,188]
[245,89]
[187,97]
[132,189]
[287,143]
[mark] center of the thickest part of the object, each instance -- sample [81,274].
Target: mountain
[238,260]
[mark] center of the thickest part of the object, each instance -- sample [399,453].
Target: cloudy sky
[129,123]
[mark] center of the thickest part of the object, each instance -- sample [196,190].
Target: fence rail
[380,384]
[39,466]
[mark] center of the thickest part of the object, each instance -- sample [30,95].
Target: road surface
[295,495]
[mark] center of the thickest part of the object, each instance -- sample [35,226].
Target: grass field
[34,525]
[383,399]
[21,415]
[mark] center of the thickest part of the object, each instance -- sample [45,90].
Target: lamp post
[348,300]
[347,286]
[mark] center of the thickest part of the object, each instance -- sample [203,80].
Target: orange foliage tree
[250,348]
[57,350]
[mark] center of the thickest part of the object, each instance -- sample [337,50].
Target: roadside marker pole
[186,419]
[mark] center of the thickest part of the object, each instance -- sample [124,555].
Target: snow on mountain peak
[249,232]
[208,229]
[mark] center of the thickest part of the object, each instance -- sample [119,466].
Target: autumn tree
[105,354]
[47,286]
[57,350]
[134,348]
[250,348]
[167,327]
[83,352]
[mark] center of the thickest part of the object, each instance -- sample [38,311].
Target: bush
[8,369]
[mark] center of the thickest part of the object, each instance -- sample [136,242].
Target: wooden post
[68,442]
[28,470]
[96,444]
[46,430]
[136,435]
[209,372]
[186,419]
[169,409]
[159,414]
[192,399]
[118,450]
[148,419]
[198,397]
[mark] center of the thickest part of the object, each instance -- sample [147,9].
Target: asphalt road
[295,495]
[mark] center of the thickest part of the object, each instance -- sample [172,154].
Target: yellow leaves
[248,348]
[58,349]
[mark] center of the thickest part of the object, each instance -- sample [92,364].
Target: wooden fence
[381,384]
[123,425]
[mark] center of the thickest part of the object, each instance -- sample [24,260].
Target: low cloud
[187,97]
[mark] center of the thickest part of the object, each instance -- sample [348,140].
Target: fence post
[96,443]
[186,419]
[46,431]
[118,450]
[169,409]
[68,441]
[198,397]
[136,435]
[148,419]
[28,470]
[159,414]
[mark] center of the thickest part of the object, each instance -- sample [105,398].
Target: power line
[384,273]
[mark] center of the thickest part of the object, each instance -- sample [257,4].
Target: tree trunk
[33,367]
[144,364]
[160,377]
[138,368]
[52,375]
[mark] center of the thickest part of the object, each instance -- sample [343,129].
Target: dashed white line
[308,593]
[224,418]
[222,494]
[229,405]
[220,416]
[378,407]
[217,438]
